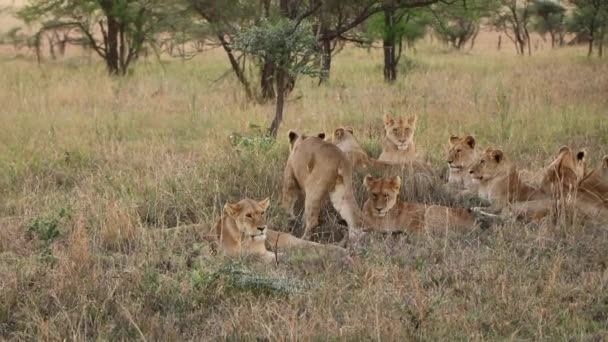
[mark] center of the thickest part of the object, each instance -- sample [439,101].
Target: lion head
[400,131]
[488,165]
[249,217]
[383,193]
[461,152]
[295,138]
[565,171]
[342,133]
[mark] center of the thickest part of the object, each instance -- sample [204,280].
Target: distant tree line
[270,43]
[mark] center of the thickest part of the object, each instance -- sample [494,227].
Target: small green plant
[47,229]
[255,139]
[232,278]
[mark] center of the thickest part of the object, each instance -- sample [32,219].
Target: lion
[560,181]
[384,211]
[461,155]
[242,231]
[596,182]
[499,182]
[398,146]
[566,180]
[344,138]
[319,168]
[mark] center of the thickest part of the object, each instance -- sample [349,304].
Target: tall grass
[92,167]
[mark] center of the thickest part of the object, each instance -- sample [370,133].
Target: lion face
[249,217]
[383,193]
[565,171]
[400,131]
[461,152]
[488,165]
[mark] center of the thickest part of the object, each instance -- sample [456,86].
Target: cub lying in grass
[384,211]
[242,230]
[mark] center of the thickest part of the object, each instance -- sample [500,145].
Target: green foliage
[255,140]
[410,26]
[233,278]
[457,23]
[125,25]
[588,16]
[47,229]
[289,44]
[550,18]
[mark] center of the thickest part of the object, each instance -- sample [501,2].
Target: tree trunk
[390,63]
[591,39]
[267,80]
[325,60]
[278,115]
[499,45]
[112,56]
[528,40]
[600,45]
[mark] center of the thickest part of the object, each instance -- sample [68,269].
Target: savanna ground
[92,169]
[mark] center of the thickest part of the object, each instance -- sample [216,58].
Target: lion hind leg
[280,241]
[290,192]
[439,218]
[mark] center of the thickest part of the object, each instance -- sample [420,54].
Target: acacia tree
[550,19]
[124,26]
[397,28]
[458,23]
[590,18]
[290,46]
[513,18]
[331,21]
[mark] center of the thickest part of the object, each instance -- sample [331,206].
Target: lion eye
[375,196]
[482,161]
[262,213]
[248,216]
[395,130]
[385,196]
[458,151]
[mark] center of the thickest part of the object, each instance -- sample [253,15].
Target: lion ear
[453,140]
[388,121]
[232,209]
[497,155]
[338,133]
[489,149]
[265,203]
[292,136]
[470,140]
[368,181]
[396,182]
[412,120]
[321,135]
[350,130]
[580,155]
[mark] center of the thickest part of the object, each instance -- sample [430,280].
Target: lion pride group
[321,167]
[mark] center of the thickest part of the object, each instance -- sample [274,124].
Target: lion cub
[344,138]
[384,211]
[566,179]
[499,182]
[242,230]
[398,145]
[461,155]
[319,168]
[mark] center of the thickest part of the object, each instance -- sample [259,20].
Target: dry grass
[90,167]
